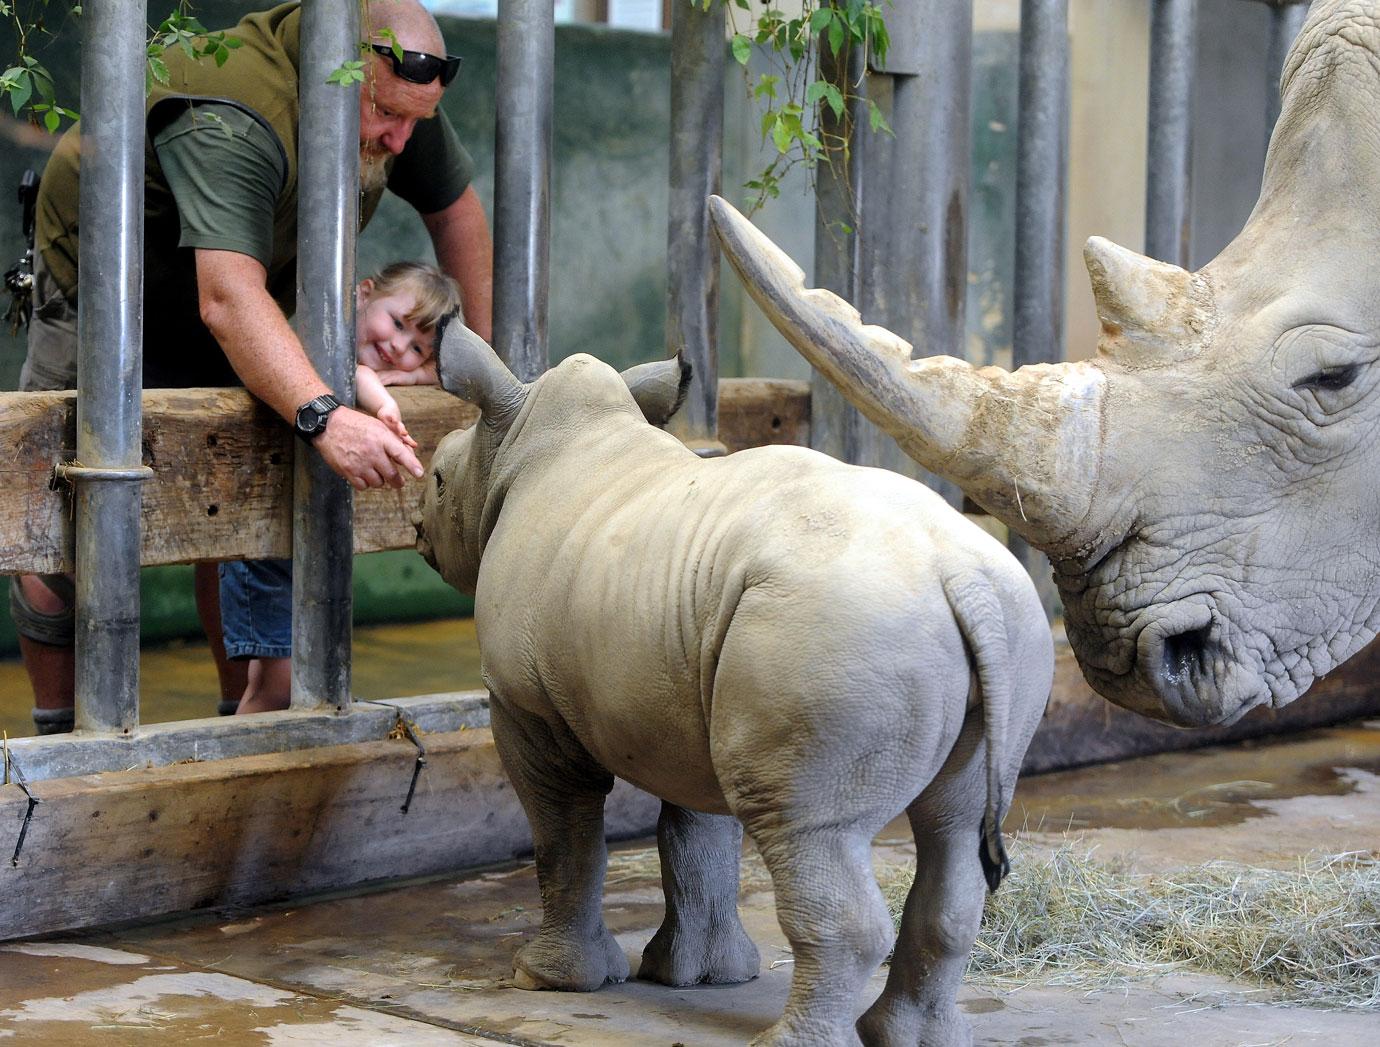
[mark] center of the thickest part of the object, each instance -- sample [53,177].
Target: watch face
[308,418]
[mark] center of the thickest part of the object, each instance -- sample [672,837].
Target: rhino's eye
[1330,379]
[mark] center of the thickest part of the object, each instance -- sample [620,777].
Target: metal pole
[327,223]
[1286,19]
[522,184]
[1169,164]
[836,427]
[697,122]
[110,336]
[1041,149]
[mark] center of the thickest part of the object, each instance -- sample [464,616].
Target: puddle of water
[1221,785]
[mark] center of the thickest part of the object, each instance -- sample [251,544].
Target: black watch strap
[313,415]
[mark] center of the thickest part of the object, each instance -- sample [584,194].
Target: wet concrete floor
[428,962]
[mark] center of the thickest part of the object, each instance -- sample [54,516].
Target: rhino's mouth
[1176,664]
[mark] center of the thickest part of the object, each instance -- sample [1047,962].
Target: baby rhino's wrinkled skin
[772,637]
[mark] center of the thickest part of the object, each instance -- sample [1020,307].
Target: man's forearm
[255,336]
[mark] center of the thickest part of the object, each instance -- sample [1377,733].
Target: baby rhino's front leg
[562,789]
[701,940]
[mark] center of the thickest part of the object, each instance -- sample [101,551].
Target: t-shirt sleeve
[434,169]
[226,171]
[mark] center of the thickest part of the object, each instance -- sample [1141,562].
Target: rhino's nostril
[1184,652]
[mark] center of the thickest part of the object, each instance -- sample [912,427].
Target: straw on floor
[1309,934]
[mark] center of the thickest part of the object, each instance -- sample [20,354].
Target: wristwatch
[313,415]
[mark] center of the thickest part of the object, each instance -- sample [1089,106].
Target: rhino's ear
[659,387]
[468,368]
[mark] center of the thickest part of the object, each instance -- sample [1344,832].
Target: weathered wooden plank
[135,844]
[225,737]
[222,467]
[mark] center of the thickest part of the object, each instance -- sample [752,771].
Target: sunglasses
[418,67]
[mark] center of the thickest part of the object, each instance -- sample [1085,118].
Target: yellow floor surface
[178,681]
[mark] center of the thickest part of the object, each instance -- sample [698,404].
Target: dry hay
[1309,934]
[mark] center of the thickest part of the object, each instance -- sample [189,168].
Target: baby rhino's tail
[982,621]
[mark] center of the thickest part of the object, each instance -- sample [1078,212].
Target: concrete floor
[428,963]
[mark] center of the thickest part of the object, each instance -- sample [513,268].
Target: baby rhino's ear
[659,387]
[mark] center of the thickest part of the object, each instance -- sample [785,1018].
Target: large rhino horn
[1151,312]
[469,368]
[1025,445]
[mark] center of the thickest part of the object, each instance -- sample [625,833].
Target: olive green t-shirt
[226,172]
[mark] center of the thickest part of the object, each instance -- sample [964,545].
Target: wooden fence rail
[222,466]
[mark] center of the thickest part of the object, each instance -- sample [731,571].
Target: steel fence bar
[522,184]
[327,223]
[110,337]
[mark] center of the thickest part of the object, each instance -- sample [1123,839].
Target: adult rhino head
[1206,486]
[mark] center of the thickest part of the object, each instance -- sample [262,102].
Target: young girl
[396,313]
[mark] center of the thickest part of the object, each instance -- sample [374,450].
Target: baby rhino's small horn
[468,368]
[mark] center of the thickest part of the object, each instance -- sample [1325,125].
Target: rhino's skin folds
[809,647]
[1205,487]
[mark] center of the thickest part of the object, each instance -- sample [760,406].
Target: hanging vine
[808,113]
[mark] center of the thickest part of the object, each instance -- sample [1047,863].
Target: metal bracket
[71,472]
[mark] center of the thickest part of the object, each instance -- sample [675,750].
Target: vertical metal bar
[1041,166]
[698,51]
[836,427]
[327,223]
[522,184]
[1286,19]
[915,240]
[1169,163]
[110,336]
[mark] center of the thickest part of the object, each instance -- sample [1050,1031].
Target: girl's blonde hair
[434,293]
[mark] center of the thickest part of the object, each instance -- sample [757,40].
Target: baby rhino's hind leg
[701,940]
[918,1007]
[562,789]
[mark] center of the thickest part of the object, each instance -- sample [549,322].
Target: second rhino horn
[1152,312]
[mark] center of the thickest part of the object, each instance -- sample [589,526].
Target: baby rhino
[773,639]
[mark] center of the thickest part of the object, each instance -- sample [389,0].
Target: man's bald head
[411,23]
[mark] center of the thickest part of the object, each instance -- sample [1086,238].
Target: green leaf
[815,92]
[391,38]
[821,18]
[834,97]
[766,87]
[159,69]
[51,121]
[222,55]
[836,35]
[876,119]
[781,136]
[348,73]
[21,90]
[742,48]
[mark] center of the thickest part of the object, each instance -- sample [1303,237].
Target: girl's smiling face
[385,339]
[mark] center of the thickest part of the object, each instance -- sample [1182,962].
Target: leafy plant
[809,103]
[27,84]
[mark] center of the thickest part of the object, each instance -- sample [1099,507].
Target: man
[220,263]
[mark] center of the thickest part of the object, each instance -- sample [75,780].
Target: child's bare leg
[269,688]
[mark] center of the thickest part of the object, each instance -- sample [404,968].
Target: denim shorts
[256,608]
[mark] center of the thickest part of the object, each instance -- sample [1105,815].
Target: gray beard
[373,170]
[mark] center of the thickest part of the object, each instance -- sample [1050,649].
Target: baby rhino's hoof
[569,966]
[725,958]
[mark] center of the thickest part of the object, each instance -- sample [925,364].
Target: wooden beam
[222,467]
[135,844]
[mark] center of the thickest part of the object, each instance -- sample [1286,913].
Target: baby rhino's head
[450,526]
